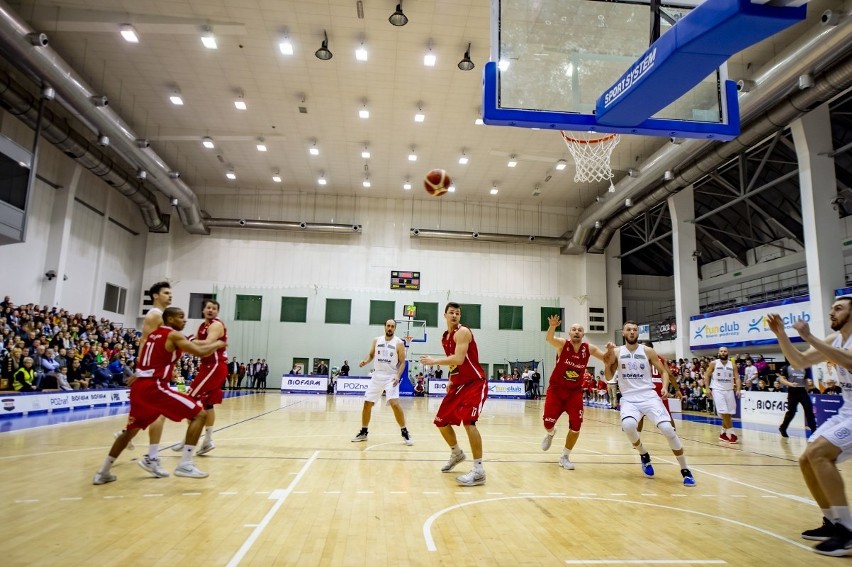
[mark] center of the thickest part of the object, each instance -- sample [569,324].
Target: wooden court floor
[287,487]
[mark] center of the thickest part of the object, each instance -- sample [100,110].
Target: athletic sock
[640,447]
[154,451]
[208,434]
[566,452]
[455,449]
[107,465]
[477,464]
[843,516]
[681,460]
[186,457]
[826,513]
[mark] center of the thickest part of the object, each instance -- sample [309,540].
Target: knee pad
[671,436]
[630,428]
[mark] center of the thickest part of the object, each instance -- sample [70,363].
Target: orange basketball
[437,182]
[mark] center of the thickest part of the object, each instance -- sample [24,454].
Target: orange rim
[596,141]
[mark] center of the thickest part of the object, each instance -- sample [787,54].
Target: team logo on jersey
[571,375]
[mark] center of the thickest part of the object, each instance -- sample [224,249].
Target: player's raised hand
[776,324]
[802,328]
[554,321]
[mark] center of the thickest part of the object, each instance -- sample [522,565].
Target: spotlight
[466,64]
[142,143]
[668,175]
[174,202]
[103,140]
[398,18]
[323,52]
[100,100]
[40,39]
[141,174]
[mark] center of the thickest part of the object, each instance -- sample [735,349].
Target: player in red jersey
[212,372]
[466,393]
[657,379]
[565,388]
[151,397]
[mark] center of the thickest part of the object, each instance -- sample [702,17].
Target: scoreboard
[405,280]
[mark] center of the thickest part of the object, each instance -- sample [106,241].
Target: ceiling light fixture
[430,59]
[365,153]
[503,64]
[478,122]
[569,70]
[323,53]
[513,161]
[466,64]
[207,142]
[561,165]
[207,38]
[176,99]
[285,45]
[451,188]
[366,182]
[494,190]
[407,185]
[463,159]
[361,53]
[128,32]
[364,112]
[322,180]
[419,116]
[413,155]
[231,174]
[314,150]
[276,176]
[261,146]
[398,18]
[240,103]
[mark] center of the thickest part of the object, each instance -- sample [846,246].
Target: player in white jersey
[831,443]
[639,397]
[723,387]
[389,354]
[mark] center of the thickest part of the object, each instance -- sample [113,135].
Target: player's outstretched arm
[462,337]
[214,332]
[178,341]
[797,358]
[825,348]
[553,322]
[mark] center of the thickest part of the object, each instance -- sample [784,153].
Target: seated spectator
[25,377]
[76,377]
[832,388]
[778,387]
[810,388]
[761,365]
[13,361]
[101,376]
[50,370]
[116,370]
[62,380]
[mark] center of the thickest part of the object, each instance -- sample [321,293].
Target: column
[614,299]
[682,211]
[56,257]
[818,184]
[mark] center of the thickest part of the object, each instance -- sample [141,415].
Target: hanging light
[466,64]
[323,52]
[398,18]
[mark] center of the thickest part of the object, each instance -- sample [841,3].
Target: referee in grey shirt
[797,394]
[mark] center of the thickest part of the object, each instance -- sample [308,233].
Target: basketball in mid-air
[437,182]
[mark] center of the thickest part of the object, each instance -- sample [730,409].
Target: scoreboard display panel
[405,280]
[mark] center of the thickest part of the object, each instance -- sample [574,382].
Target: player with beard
[633,363]
[658,386]
[389,354]
[565,388]
[723,387]
[831,443]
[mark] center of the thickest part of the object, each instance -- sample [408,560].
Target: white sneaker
[153,466]
[178,447]
[206,447]
[362,436]
[189,470]
[406,438]
[130,444]
[101,478]
[472,478]
[565,463]
[548,439]
[455,458]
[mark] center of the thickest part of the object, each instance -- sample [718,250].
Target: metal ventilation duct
[487,237]
[57,131]
[820,48]
[29,51]
[283,225]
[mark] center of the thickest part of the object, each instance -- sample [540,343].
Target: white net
[591,153]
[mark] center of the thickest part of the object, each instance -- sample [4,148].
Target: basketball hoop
[591,155]
[407,339]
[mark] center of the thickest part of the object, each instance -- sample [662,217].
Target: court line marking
[646,562]
[279,496]
[430,542]
[369,447]
[759,488]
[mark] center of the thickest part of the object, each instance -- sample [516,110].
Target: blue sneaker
[646,465]
[688,479]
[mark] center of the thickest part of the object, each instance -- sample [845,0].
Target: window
[381,311]
[427,312]
[470,315]
[597,319]
[547,312]
[511,318]
[294,309]
[196,304]
[248,308]
[338,311]
[114,297]
[498,371]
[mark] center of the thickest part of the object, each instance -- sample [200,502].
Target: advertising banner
[437,387]
[295,384]
[746,326]
[20,404]
[513,390]
[352,385]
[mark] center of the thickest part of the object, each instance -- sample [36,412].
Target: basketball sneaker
[822,533]
[103,478]
[472,478]
[455,458]
[189,470]
[362,436]
[406,436]
[688,479]
[153,466]
[205,448]
[548,439]
[838,545]
[565,463]
[783,432]
[178,447]
[732,438]
[647,468]
[724,437]
[130,444]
